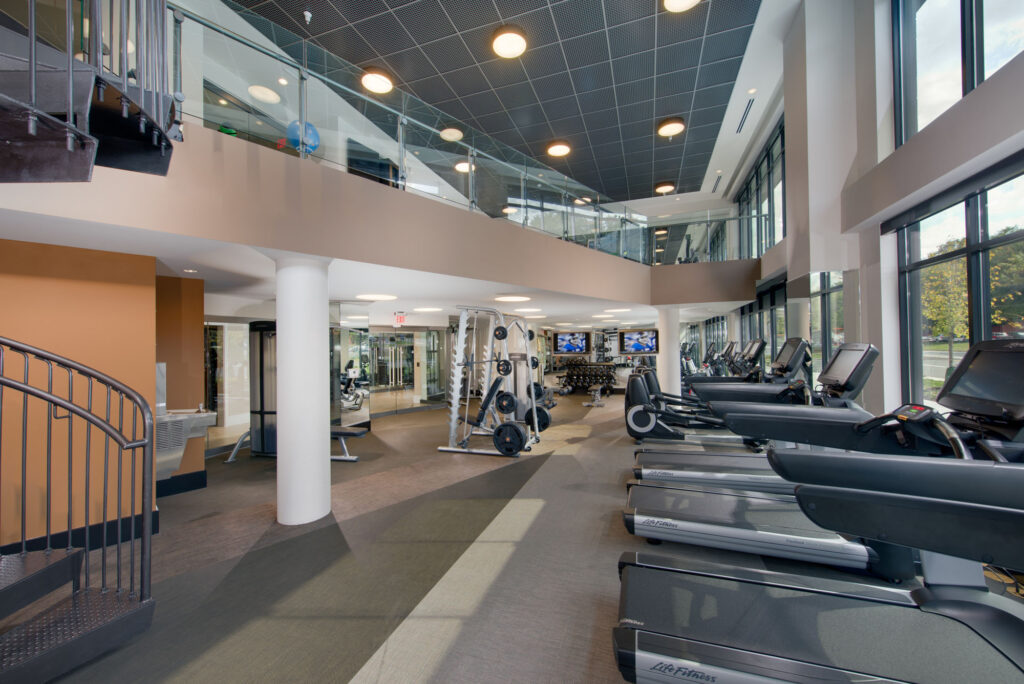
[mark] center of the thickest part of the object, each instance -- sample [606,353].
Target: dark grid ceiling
[598,73]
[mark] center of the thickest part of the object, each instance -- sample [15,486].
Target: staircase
[77,461]
[69,101]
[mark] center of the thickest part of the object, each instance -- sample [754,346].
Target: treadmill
[792,358]
[842,379]
[686,620]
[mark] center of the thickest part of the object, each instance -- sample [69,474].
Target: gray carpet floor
[433,566]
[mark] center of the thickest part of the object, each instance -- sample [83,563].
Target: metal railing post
[302,112]
[403,171]
[69,35]
[472,178]
[32,121]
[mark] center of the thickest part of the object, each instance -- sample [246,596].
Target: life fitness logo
[686,674]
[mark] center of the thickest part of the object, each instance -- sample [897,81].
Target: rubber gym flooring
[433,566]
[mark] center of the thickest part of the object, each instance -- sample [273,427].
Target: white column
[668,349]
[303,391]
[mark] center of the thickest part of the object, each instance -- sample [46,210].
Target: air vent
[170,435]
[746,112]
[717,181]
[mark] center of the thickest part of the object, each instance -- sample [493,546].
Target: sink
[173,430]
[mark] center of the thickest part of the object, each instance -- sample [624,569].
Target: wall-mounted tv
[638,341]
[572,343]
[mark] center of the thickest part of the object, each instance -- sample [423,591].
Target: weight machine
[493,353]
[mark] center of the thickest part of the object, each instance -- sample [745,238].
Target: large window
[762,199]
[945,48]
[716,332]
[827,331]
[962,281]
[765,319]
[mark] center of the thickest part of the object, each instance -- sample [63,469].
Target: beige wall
[724,281]
[96,308]
[179,344]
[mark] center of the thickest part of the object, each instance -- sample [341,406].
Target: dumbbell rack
[582,375]
[460,429]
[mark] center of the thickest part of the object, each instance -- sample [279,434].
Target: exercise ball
[312,137]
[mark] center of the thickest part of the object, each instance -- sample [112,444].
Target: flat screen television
[572,343]
[638,341]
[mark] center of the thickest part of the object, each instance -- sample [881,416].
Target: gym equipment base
[483,452]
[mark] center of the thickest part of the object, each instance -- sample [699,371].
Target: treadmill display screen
[994,377]
[785,356]
[842,365]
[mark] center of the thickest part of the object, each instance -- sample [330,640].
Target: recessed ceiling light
[751,91]
[358,317]
[509,42]
[283,80]
[583,325]
[719,172]
[463,167]
[680,5]
[526,310]
[629,322]
[602,316]
[222,101]
[376,298]
[558,148]
[664,188]
[617,310]
[672,126]
[535,317]
[427,309]
[451,134]
[661,231]
[508,209]
[191,270]
[264,94]
[511,298]
[377,80]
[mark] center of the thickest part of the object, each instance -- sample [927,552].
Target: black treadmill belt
[834,631]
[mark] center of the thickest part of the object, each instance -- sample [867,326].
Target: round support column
[303,391]
[668,350]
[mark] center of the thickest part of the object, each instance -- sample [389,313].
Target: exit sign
[399,319]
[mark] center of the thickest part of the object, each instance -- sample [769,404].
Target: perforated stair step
[24,578]
[71,633]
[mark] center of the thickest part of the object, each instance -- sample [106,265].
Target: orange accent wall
[179,344]
[97,308]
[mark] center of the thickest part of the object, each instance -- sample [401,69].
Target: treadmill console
[913,413]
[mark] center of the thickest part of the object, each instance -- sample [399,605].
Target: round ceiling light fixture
[559,148]
[283,81]
[511,298]
[664,188]
[427,309]
[508,210]
[680,5]
[451,134]
[579,201]
[672,126]
[222,102]
[377,80]
[509,42]
[375,298]
[463,167]
[264,94]
[661,231]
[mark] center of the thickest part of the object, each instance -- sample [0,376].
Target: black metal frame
[751,191]
[972,58]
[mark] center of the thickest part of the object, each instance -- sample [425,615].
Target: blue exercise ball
[312,137]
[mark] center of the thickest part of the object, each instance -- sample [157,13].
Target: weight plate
[534,362]
[509,438]
[500,332]
[532,335]
[543,419]
[504,367]
[538,391]
[505,402]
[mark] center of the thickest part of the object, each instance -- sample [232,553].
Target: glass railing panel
[244,93]
[434,167]
[498,187]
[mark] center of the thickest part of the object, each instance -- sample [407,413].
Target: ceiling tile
[467,81]
[701,117]
[586,50]
[425,21]
[578,17]
[673,28]
[485,102]
[511,8]
[719,72]
[538,27]
[503,72]
[544,61]
[713,96]
[518,95]
[385,33]
[553,87]
[493,123]
[592,77]
[633,67]
[676,83]
[411,65]
[628,39]
[469,14]
[726,45]
[596,100]
[728,14]
[616,13]
[347,42]
[527,116]
[448,54]
[635,91]
[685,55]
[357,10]
[639,111]
[602,119]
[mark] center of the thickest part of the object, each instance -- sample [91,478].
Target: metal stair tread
[17,567]
[74,617]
